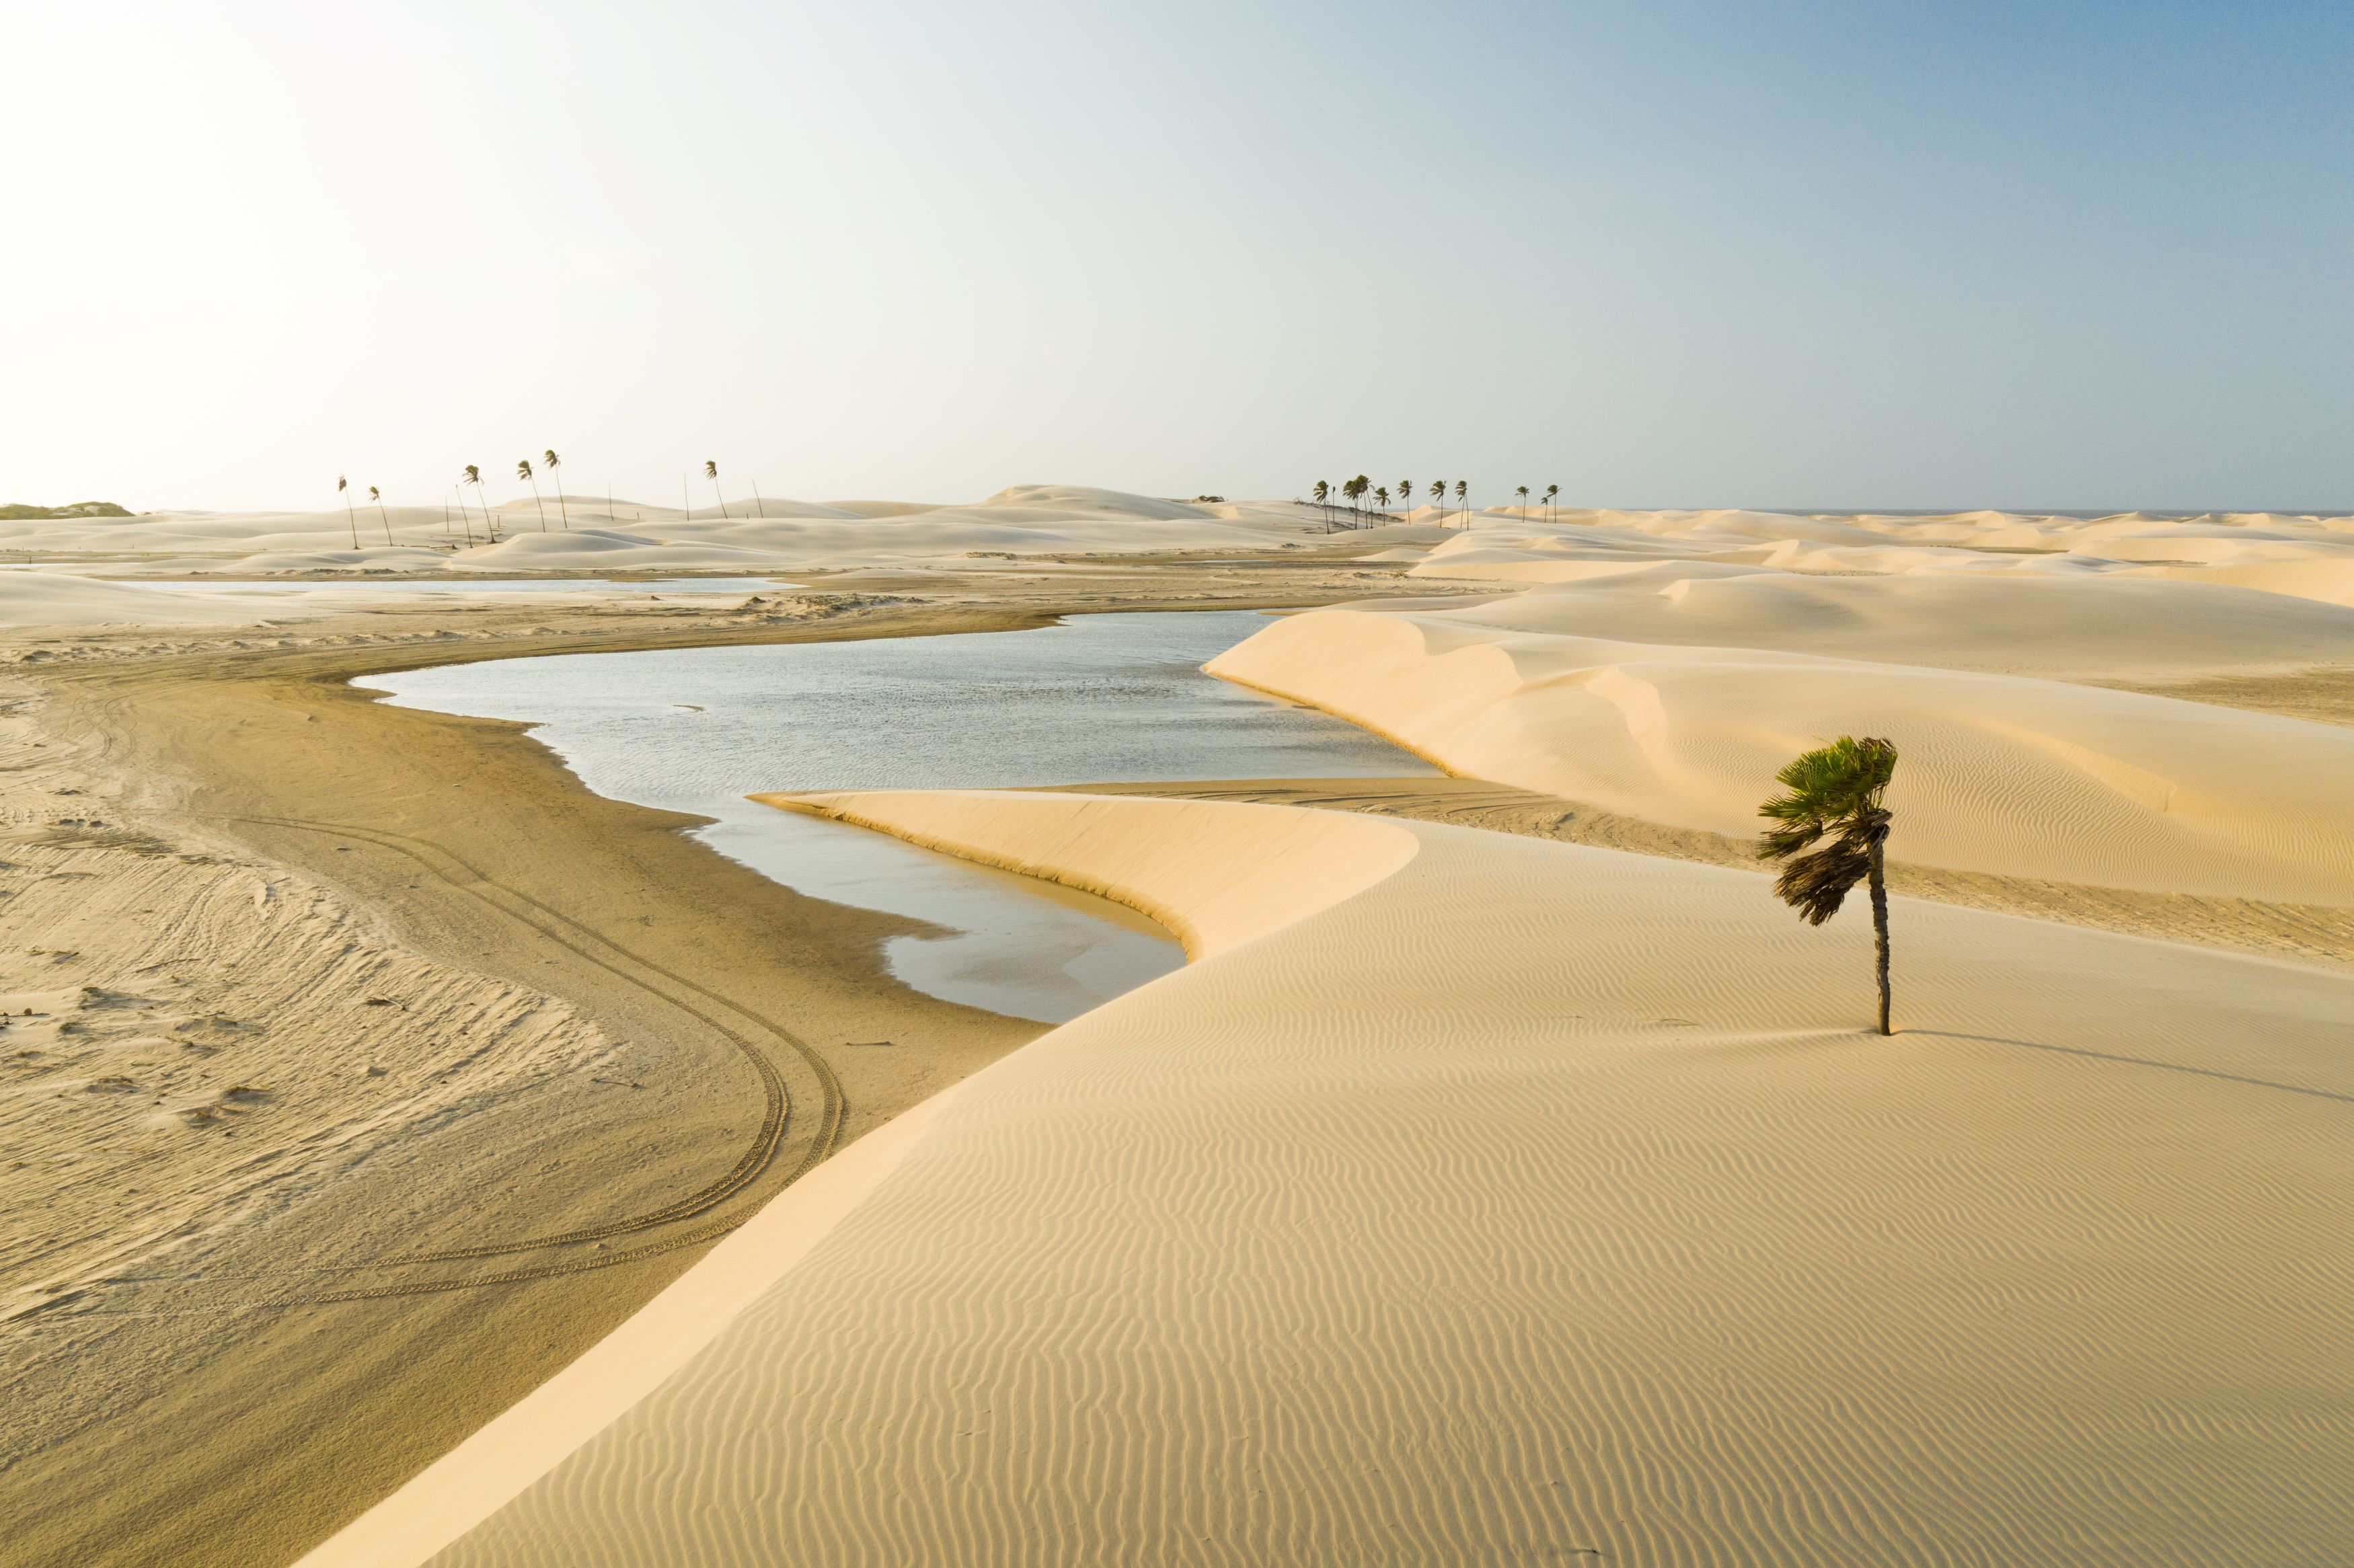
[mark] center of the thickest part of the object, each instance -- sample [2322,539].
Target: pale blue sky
[1700,254]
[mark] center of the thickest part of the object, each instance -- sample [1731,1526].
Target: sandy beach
[408,1129]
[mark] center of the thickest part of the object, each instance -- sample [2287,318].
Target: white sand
[2006,774]
[1526,1201]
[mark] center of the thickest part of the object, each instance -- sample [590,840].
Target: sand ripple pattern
[1539,1200]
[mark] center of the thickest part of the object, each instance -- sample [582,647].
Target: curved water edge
[1095,699]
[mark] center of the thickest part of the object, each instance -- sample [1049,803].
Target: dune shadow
[2135,1061]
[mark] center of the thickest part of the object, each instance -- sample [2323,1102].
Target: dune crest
[2014,775]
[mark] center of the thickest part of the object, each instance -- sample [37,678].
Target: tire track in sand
[632,969]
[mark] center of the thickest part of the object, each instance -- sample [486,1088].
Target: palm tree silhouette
[1406,495]
[523,470]
[1462,490]
[1439,493]
[555,462]
[1835,788]
[490,525]
[378,499]
[347,512]
[1522,491]
[711,472]
[1551,491]
[1383,495]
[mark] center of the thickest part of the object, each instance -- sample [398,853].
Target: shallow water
[1100,699]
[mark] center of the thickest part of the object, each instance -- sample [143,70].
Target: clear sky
[1820,256]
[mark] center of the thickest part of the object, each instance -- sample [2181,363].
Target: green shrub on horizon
[15,511]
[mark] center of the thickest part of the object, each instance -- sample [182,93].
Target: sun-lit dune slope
[2002,774]
[1273,870]
[2070,626]
[1532,1201]
[573,533]
[50,599]
[2309,557]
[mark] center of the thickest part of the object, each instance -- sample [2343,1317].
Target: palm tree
[1383,495]
[378,499]
[1522,491]
[1463,490]
[490,525]
[348,515]
[1355,491]
[711,472]
[1323,492]
[1439,493]
[555,462]
[1835,788]
[523,470]
[464,516]
[1551,491]
[1406,495]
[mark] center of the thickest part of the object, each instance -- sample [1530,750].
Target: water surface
[1099,699]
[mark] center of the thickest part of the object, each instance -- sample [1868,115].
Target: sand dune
[2302,557]
[52,599]
[1527,1202]
[583,533]
[2002,774]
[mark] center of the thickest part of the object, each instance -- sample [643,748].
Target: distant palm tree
[378,499]
[711,472]
[523,470]
[1522,491]
[1551,491]
[554,464]
[1462,491]
[490,524]
[1355,491]
[1439,493]
[1381,495]
[465,518]
[1835,788]
[347,512]
[1406,495]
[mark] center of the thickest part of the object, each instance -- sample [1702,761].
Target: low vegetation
[18,513]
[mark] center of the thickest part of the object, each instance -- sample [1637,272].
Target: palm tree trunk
[1879,930]
[540,506]
[353,518]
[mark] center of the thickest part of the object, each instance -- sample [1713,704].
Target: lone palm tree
[1835,789]
[1551,491]
[555,462]
[523,470]
[490,525]
[1522,491]
[1406,495]
[378,500]
[349,516]
[1438,495]
[1462,491]
[711,472]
